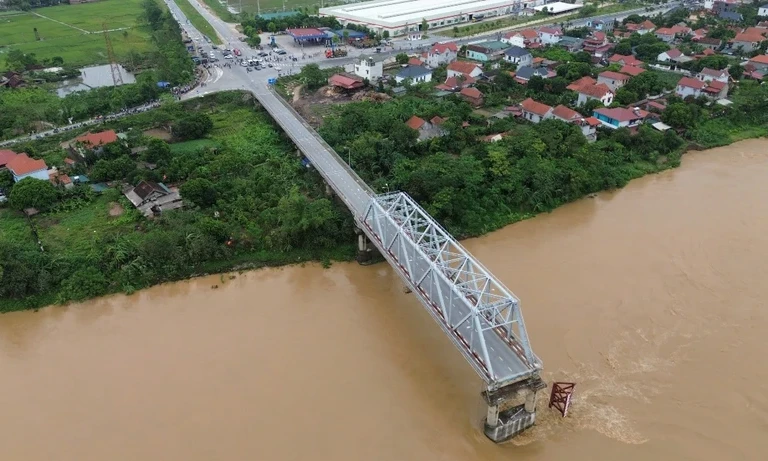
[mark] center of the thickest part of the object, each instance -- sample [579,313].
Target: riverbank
[623,293]
[273,212]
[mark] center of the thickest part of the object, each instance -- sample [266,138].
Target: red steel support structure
[561,397]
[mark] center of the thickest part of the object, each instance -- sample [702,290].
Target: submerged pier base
[511,409]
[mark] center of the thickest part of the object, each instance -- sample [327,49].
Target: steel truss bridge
[477,312]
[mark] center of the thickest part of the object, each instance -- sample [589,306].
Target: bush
[83,284]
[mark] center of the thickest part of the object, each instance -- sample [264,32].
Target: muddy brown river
[652,298]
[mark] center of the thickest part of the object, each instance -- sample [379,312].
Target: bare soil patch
[116,209]
[158,133]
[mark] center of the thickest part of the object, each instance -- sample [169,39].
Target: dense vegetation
[249,202]
[21,108]
[473,187]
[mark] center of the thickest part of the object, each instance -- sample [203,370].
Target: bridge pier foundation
[364,249]
[328,189]
[511,409]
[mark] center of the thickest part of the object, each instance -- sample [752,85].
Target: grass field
[198,20]
[74,31]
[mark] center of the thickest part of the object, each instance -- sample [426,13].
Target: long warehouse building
[400,17]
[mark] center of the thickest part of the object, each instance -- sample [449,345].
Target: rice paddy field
[75,32]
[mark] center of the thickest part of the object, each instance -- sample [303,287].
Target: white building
[442,53]
[22,166]
[763,10]
[400,17]
[370,69]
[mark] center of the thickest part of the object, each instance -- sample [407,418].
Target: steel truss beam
[481,316]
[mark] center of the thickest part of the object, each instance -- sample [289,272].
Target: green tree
[424,25]
[33,193]
[193,126]
[401,58]
[385,34]
[158,151]
[312,77]
[736,71]
[199,191]
[678,115]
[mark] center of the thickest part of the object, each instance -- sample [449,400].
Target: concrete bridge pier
[364,248]
[511,409]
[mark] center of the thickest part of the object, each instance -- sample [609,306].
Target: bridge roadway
[475,310]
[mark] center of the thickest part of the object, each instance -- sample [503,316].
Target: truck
[335,53]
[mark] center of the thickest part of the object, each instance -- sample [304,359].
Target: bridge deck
[480,316]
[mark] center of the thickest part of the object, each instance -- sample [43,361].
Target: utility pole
[114,67]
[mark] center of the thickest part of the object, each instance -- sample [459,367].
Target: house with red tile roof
[708,75]
[456,83]
[614,80]
[550,35]
[346,82]
[632,71]
[472,95]
[22,166]
[94,140]
[669,55]
[427,130]
[566,114]
[457,68]
[522,38]
[716,90]
[5,157]
[619,117]
[749,40]
[688,86]
[642,28]
[442,53]
[760,63]
[588,88]
[534,111]
[625,60]
[415,62]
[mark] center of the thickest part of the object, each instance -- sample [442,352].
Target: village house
[711,43]
[587,125]
[472,95]
[550,35]
[763,10]
[60,179]
[614,80]
[716,90]
[95,140]
[708,75]
[760,63]
[632,70]
[625,60]
[642,28]
[470,69]
[426,130]
[525,73]
[522,38]
[518,55]
[688,86]
[152,198]
[588,88]
[346,82]
[12,80]
[619,117]
[414,61]
[730,16]
[369,69]
[670,55]
[669,34]
[454,84]
[414,74]
[571,44]
[442,53]
[486,51]
[22,166]
[749,40]
[534,111]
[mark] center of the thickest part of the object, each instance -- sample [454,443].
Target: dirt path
[296,94]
